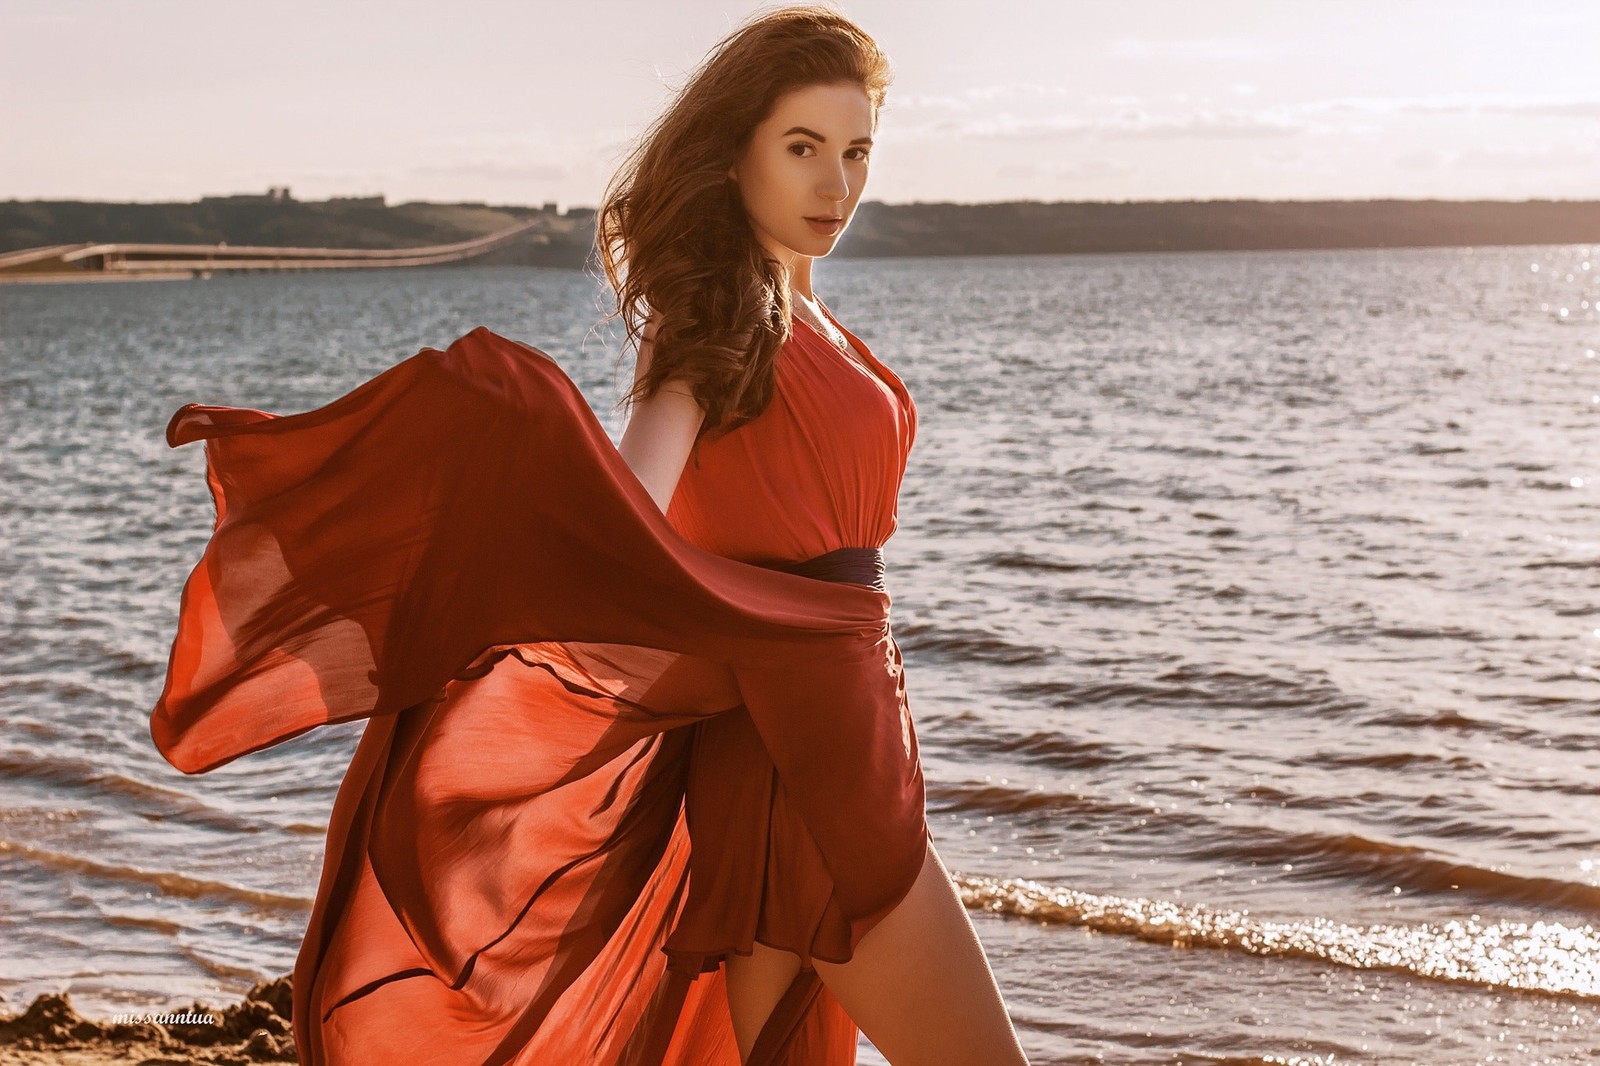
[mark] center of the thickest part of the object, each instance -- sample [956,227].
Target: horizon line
[884,203]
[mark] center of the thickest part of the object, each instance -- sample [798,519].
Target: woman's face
[805,165]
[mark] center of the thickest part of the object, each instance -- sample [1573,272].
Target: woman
[636,785]
[762,160]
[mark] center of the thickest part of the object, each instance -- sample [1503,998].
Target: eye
[799,144]
[863,155]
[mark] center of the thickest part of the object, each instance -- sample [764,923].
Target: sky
[534,101]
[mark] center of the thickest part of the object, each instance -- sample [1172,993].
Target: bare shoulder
[673,385]
[647,340]
[661,430]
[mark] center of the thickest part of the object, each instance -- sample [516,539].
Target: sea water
[1250,605]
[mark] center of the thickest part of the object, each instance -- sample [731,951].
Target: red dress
[605,746]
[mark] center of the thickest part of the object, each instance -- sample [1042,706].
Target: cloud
[1127,124]
[1194,49]
[929,101]
[1284,157]
[1084,170]
[973,114]
[498,170]
[1570,109]
[1424,160]
[1463,104]
[1499,157]
[1522,157]
[1208,124]
[1010,92]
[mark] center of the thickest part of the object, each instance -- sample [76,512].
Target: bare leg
[755,984]
[920,986]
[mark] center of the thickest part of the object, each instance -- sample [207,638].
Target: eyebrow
[814,135]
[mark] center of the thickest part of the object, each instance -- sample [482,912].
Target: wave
[967,645]
[1026,561]
[1352,857]
[1344,857]
[219,969]
[1562,564]
[1457,722]
[1264,1060]
[159,925]
[1042,748]
[1199,686]
[1365,632]
[172,884]
[1420,761]
[1541,957]
[1066,810]
[84,775]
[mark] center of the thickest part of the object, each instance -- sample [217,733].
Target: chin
[825,243]
[812,246]
[805,241]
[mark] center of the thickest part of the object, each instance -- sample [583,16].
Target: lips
[826,225]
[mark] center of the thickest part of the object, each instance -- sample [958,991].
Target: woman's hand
[660,431]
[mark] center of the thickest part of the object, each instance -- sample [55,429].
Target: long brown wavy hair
[672,233]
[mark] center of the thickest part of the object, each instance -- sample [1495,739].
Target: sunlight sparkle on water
[1541,956]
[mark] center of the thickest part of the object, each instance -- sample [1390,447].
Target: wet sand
[251,1031]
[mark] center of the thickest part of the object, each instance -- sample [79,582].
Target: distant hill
[1028,227]
[357,222]
[879,229]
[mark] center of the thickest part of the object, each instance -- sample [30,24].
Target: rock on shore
[254,1030]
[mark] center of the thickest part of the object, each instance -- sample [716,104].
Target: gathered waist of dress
[859,566]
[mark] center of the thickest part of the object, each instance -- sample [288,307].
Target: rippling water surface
[1249,604]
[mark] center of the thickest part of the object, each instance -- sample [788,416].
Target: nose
[833,185]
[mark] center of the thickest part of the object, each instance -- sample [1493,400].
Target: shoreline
[256,1029]
[878,229]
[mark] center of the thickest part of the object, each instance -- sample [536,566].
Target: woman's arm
[660,431]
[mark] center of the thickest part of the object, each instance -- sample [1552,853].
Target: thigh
[755,984]
[920,987]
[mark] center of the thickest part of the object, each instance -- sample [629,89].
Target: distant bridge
[148,262]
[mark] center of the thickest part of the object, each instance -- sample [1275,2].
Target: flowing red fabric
[605,747]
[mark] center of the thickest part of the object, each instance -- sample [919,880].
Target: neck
[798,266]
[800,280]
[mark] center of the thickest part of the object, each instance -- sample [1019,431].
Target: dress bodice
[819,469]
